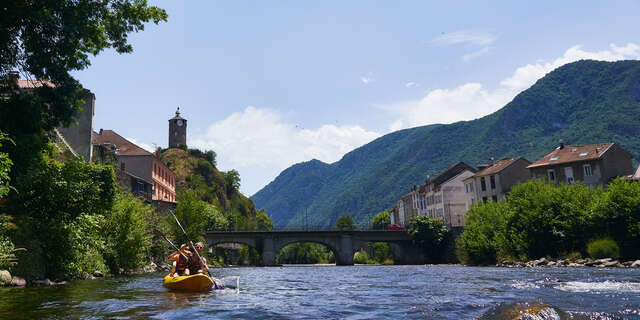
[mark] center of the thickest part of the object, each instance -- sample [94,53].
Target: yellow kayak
[196,282]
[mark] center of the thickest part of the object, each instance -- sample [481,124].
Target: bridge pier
[345,252]
[268,252]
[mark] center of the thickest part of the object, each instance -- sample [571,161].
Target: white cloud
[472,100]
[409,84]
[141,145]
[477,37]
[259,137]
[470,56]
[527,75]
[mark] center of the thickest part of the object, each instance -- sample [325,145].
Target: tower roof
[177,116]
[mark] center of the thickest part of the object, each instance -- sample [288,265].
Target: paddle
[171,243]
[191,243]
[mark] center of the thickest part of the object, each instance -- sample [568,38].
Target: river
[352,292]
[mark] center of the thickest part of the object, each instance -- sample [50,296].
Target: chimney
[561,144]
[14,76]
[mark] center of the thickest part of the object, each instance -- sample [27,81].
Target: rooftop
[566,154]
[124,147]
[497,166]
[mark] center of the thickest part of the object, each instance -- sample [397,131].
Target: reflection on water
[359,292]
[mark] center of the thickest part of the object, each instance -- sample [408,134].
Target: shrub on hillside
[603,248]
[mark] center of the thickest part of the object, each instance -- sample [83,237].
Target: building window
[483,184]
[493,182]
[484,199]
[494,198]
[551,174]
[469,187]
[587,170]
[122,166]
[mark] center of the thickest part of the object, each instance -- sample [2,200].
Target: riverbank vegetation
[544,220]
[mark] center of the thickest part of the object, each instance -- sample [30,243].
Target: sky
[267,84]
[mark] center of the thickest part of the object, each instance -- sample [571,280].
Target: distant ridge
[584,102]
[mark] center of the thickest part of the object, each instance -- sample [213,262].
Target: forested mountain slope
[581,103]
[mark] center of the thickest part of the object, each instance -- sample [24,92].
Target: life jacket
[194,263]
[181,264]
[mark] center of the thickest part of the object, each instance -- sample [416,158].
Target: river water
[351,292]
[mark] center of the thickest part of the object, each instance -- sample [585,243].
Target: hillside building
[76,136]
[444,198]
[593,164]
[407,207]
[147,171]
[494,181]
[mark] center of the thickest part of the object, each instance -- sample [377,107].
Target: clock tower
[177,130]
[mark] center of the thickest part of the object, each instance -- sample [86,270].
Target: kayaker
[194,262]
[181,261]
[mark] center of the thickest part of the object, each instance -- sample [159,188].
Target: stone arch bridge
[343,243]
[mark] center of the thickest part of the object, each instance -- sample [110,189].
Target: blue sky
[267,84]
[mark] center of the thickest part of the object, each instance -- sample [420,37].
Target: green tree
[617,213]
[193,214]
[5,168]
[127,231]
[483,233]
[381,220]
[548,220]
[263,221]
[345,223]
[429,234]
[232,179]
[56,206]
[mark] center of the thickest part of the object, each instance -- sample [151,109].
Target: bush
[603,248]
[483,235]
[127,232]
[573,256]
[361,257]
[345,223]
[429,234]
[381,220]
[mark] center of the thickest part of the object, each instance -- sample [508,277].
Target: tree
[479,243]
[232,179]
[345,223]
[381,220]
[5,168]
[263,221]
[428,233]
[193,214]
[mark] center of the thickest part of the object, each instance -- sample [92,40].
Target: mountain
[581,103]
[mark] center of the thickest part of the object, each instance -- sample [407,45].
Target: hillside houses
[451,193]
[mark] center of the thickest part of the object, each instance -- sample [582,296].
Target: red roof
[497,166]
[124,147]
[568,154]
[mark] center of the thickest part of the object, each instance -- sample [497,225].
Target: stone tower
[177,130]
